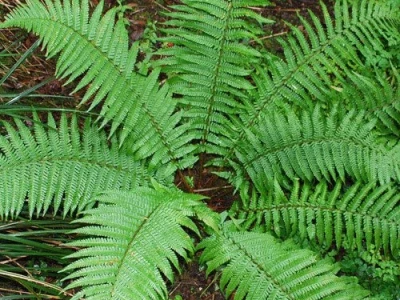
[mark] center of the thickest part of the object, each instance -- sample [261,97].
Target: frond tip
[257,267]
[138,238]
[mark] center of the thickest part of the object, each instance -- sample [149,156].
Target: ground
[192,283]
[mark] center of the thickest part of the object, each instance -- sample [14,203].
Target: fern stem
[185,182]
[212,189]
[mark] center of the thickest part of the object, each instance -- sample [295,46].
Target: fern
[258,267]
[378,98]
[314,146]
[207,63]
[362,216]
[327,51]
[60,165]
[309,139]
[332,51]
[139,236]
[98,46]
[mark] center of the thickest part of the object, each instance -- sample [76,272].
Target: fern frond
[314,146]
[329,51]
[54,164]
[358,216]
[137,238]
[208,62]
[96,48]
[156,131]
[315,59]
[256,266]
[379,98]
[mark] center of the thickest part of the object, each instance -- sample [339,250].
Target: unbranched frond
[60,165]
[136,239]
[313,146]
[318,57]
[256,266]
[97,49]
[209,61]
[357,216]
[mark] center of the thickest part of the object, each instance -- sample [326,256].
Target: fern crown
[307,138]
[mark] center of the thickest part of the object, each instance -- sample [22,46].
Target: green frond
[56,165]
[378,97]
[97,49]
[136,239]
[208,61]
[156,131]
[324,53]
[329,147]
[310,140]
[357,216]
[329,50]
[256,266]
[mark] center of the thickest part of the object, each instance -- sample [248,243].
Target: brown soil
[193,285]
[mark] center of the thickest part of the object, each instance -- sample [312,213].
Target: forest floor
[144,16]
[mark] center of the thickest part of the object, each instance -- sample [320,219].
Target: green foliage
[328,51]
[140,236]
[317,61]
[377,273]
[207,65]
[315,145]
[281,271]
[60,165]
[98,47]
[309,139]
[360,215]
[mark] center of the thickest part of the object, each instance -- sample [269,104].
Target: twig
[284,9]
[211,283]
[19,265]
[213,188]
[163,7]
[138,11]
[16,292]
[11,260]
[17,276]
[177,286]
[184,181]
[273,35]
[19,292]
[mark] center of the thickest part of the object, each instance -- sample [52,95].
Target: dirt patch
[193,285]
